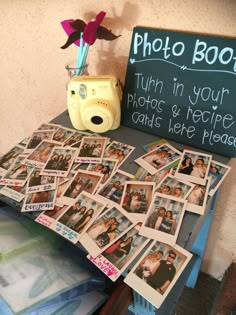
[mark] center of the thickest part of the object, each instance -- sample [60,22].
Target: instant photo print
[159,158]
[120,255]
[106,229]
[194,167]
[164,218]
[156,272]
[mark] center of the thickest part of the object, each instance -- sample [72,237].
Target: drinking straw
[79,55]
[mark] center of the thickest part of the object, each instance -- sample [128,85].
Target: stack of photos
[72,183]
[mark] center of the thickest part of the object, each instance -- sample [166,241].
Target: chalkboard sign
[182,87]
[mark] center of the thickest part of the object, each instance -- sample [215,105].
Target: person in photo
[199,169]
[80,225]
[107,236]
[20,172]
[186,166]
[168,223]
[35,180]
[117,194]
[165,189]
[178,192]
[155,219]
[65,163]
[97,150]
[108,190]
[40,197]
[42,155]
[105,171]
[100,227]
[164,274]
[121,250]
[7,160]
[52,163]
[149,265]
[197,195]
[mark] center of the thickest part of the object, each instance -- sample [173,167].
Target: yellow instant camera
[94,103]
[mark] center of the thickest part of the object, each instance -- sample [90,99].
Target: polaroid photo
[164,218]
[193,167]
[40,155]
[75,138]
[59,162]
[112,190]
[9,158]
[47,217]
[106,230]
[217,173]
[62,134]
[48,126]
[198,197]
[73,223]
[37,182]
[116,259]
[36,138]
[159,158]
[82,181]
[143,176]
[62,184]
[13,192]
[137,197]
[17,174]
[39,201]
[154,145]
[91,150]
[172,186]
[118,151]
[105,168]
[24,142]
[156,272]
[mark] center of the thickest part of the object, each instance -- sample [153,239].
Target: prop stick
[79,55]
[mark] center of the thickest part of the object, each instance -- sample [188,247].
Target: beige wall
[33,76]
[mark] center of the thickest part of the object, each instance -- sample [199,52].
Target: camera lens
[97,120]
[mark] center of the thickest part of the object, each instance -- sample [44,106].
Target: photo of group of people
[194,167]
[39,201]
[159,158]
[157,271]
[91,149]
[174,187]
[38,182]
[118,151]
[18,173]
[59,161]
[137,197]
[75,139]
[105,168]
[9,158]
[37,137]
[125,248]
[143,175]
[82,181]
[106,229]
[78,216]
[121,253]
[41,153]
[217,173]
[61,134]
[112,190]
[75,218]
[164,218]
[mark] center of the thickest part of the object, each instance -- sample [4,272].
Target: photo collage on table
[75,184]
